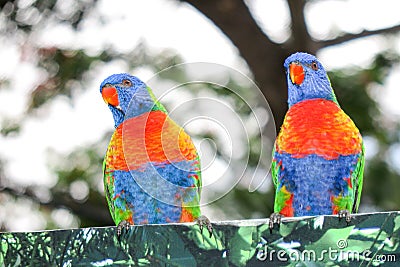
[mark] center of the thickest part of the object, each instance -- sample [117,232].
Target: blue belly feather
[313,180]
[155,193]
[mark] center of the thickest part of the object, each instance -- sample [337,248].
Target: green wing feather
[108,188]
[282,195]
[357,180]
[274,169]
[192,204]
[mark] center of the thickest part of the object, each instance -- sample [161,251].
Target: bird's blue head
[127,96]
[307,79]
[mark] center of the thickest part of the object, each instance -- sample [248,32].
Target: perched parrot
[151,169]
[318,157]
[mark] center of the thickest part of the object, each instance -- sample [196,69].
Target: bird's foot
[122,224]
[204,221]
[344,214]
[275,218]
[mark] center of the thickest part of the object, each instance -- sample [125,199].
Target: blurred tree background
[65,71]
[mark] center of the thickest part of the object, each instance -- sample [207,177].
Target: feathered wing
[115,173]
[191,195]
[357,178]
[283,197]
[108,180]
[274,168]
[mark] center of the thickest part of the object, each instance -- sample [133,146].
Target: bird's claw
[122,224]
[344,214]
[204,221]
[275,218]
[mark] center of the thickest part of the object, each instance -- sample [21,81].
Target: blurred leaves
[9,126]
[351,86]
[65,69]
[29,14]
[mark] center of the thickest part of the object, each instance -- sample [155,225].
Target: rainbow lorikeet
[151,169]
[318,158]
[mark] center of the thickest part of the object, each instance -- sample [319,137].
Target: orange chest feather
[319,127]
[151,137]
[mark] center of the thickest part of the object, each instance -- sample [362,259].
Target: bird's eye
[314,65]
[126,83]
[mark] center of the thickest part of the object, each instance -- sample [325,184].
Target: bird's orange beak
[110,96]
[296,73]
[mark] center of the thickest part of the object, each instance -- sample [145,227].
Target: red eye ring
[314,65]
[126,83]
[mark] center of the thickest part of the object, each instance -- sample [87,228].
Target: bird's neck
[310,89]
[143,101]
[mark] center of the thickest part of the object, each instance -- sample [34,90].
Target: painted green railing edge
[368,240]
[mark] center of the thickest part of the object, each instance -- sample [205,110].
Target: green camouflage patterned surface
[369,240]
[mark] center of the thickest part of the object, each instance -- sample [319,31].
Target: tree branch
[300,38]
[89,210]
[235,20]
[264,57]
[349,37]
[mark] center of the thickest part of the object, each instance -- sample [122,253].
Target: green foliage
[28,16]
[9,127]
[371,239]
[65,69]
[351,86]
